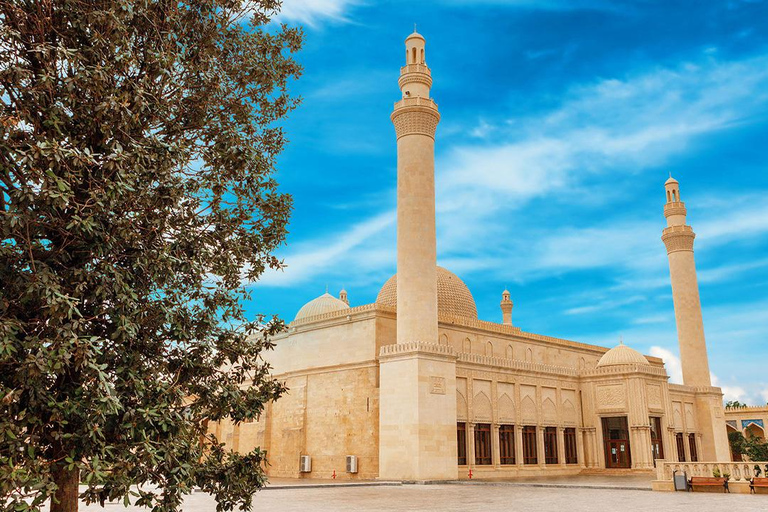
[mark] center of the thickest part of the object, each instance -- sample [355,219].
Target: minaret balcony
[415,68]
[417,101]
[674,208]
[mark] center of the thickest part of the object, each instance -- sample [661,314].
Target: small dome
[453,296]
[622,354]
[671,181]
[415,35]
[325,303]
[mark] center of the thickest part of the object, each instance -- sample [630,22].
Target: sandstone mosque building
[416,387]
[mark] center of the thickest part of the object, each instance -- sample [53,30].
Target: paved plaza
[474,497]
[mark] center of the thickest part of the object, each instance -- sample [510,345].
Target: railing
[737,470]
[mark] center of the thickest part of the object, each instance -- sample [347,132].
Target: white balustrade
[738,471]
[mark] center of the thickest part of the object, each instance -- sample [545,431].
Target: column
[561,446]
[540,446]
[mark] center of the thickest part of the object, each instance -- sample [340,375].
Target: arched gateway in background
[416,387]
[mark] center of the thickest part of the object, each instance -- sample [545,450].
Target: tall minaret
[678,238]
[417,375]
[415,118]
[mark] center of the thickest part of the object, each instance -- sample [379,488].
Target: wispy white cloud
[729,392]
[334,254]
[313,12]
[614,125]
[671,361]
[606,128]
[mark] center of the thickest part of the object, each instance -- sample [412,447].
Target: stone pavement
[476,497]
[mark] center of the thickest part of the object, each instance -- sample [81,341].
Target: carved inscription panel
[611,396]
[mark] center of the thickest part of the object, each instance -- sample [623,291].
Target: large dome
[325,303]
[622,354]
[453,296]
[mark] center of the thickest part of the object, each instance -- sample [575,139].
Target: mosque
[416,387]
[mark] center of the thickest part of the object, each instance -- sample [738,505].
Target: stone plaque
[437,385]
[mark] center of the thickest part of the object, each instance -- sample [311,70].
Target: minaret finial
[621,339]
[414,27]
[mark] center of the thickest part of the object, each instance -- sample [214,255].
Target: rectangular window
[569,438]
[461,442]
[680,447]
[529,445]
[657,446]
[507,444]
[483,444]
[550,445]
[692,445]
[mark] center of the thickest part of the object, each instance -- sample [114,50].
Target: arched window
[414,55]
[669,197]
[674,196]
[422,56]
[406,55]
[529,355]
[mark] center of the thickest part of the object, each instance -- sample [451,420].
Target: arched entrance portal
[616,443]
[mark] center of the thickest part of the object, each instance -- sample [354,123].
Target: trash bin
[681,480]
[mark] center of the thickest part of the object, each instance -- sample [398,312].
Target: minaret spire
[415,118]
[678,238]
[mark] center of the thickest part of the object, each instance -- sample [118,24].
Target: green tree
[755,448]
[137,196]
[734,404]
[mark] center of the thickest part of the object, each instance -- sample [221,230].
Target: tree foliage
[755,448]
[734,404]
[137,151]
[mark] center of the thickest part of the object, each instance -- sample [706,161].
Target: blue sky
[560,123]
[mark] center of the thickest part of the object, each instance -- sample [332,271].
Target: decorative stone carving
[569,413]
[506,408]
[415,116]
[612,396]
[654,396]
[528,410]
[461,406]
[548,412]
[481,405]
[678,238]
[437,385]
[677,409]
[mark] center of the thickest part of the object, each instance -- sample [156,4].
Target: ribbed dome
[453,296]
[325,303]
[622,354]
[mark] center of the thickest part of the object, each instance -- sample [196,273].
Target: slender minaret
[678,238]
[417,375]
[415,118]
[506,308]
